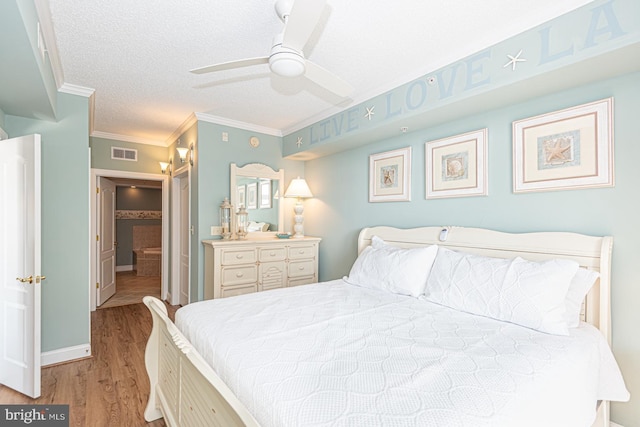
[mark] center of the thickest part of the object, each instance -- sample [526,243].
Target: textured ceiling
[136,54]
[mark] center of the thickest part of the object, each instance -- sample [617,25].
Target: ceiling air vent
[118,153]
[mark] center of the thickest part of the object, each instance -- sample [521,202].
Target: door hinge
[97,190]
[97,238]
[97,285]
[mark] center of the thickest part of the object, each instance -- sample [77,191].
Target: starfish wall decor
[514,60]
[369,112]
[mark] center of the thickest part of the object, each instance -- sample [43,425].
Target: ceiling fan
[286,59]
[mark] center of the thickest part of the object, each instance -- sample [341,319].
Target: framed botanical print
[390,176]
[456,166]
[566,149]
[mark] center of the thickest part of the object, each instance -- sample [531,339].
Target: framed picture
[265,194]
[566,149]
[390,176]
[457,166]
[252,195]
[241,196]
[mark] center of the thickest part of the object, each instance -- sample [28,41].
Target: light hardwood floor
[131,288]
[111,387]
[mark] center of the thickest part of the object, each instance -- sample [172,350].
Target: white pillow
[578,290]
[526,293]
[256,226]
[397,270]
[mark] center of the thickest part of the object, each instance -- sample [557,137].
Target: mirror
[259,188]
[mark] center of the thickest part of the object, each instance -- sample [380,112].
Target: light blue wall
[30,19]
[65,220]
[212,169]
[341,208]
[149,156]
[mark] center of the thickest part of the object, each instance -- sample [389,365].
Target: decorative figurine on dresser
[256,255]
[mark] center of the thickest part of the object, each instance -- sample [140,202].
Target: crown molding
[72,89]
[190,121]
[126,138]
[238,124]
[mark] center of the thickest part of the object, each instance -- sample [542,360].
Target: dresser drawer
[254,265]
[239,275]
[302,268]
[239,290]
[238,256]
[301,281]
[272,254]
[272,275]
[302,251]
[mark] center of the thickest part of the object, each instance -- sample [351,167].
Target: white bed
[338,354]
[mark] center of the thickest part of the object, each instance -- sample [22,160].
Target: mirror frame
[258,170]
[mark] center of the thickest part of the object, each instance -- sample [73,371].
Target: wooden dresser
[236,267]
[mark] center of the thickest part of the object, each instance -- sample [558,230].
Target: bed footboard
[184,389]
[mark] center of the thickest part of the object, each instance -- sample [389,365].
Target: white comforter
[334,354]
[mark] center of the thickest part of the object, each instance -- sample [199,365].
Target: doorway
[138,240]
[181,236]
[121,176]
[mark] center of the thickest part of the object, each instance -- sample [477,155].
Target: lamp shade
[298,188]
[182,152]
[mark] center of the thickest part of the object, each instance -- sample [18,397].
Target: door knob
[30,279]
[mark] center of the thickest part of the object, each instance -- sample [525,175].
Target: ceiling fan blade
[327,80]
[231,65]
[303,19]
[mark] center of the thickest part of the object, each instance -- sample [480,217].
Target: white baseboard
[612,424]
[65,354]
[124,268]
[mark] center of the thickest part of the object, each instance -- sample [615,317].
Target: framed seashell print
[457,166]
[565,149]
[390,176]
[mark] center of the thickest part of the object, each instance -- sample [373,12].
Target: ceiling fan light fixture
[287,64]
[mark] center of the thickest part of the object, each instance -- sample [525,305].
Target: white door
[185,240]
[20,273]
[106,240]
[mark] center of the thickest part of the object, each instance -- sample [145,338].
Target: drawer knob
[301,268]
[272,254]
[239,274]
[301,251]
[239,256]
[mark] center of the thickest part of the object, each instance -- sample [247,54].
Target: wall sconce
[164,167]
[184,151]
[298,188]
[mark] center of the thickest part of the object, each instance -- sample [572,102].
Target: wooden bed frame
[186,391]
